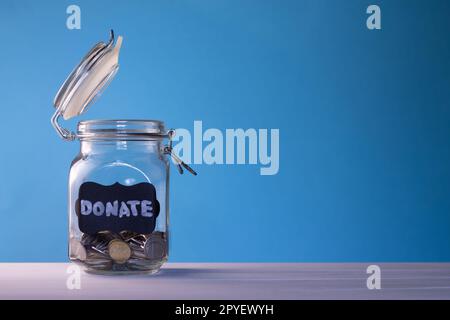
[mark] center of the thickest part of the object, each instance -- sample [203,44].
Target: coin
[119,251]
[155,248]
[87,239]
[137,251]
[95,251]
[139,264]
[77,250]
[127,235]
[93,261]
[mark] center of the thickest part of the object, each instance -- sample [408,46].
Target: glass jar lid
[122,129]
[88,80]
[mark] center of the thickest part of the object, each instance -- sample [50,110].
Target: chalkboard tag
[116,208]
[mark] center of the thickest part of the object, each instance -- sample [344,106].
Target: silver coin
[96,253]
[138,264]
[100,264]
[155,248]
[98,261]
[127,235]
[87,239]
[137,251]
[102,240]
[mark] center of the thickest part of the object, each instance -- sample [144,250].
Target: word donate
[117,208]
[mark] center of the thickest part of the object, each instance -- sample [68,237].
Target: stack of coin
[123,251]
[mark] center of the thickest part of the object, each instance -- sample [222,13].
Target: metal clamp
[180,163]
[63,132]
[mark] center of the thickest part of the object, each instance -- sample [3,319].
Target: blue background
[364,119]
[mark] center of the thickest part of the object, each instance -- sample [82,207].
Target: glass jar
[119,182]
[118,197]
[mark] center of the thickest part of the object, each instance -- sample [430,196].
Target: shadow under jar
[118,197]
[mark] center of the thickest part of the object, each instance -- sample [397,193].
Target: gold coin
[119,251]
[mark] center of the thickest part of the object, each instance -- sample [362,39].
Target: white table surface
[231,281]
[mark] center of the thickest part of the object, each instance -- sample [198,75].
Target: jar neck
[108,146]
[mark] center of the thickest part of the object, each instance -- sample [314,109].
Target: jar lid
[88,80]
[121,129]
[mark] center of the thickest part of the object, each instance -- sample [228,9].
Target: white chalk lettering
[98,208]
[129,208]
[124,211]
[86,207]
[146,208]
[112,209]
[133,205]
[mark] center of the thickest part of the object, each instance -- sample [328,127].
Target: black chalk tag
[117,208]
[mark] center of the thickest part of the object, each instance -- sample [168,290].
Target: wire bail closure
[169,150]
[62,132]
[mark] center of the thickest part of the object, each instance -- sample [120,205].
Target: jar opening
[121,129]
